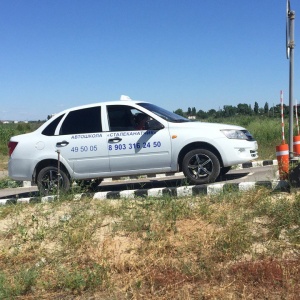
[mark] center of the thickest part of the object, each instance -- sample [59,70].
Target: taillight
[11,147]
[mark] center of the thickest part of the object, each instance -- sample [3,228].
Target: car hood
[203,125]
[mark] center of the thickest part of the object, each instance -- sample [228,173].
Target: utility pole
[290,45]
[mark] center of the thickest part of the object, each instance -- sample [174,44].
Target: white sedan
[121,138]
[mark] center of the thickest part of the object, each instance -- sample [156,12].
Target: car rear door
[82,143]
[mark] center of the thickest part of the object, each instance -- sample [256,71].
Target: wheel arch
[48,163]
[198,145]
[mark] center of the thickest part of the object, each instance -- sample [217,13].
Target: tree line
[241,109]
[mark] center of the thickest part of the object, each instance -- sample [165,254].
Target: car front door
[133,149]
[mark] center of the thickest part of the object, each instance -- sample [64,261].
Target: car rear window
[87,120]
[50,129]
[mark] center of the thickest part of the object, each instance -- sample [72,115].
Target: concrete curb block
[183,191]
[258,164]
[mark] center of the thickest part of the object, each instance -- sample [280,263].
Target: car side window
[126,118]
[50,129]
[120,118]
[87,120]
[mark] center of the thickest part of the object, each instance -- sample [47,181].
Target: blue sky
[174,53]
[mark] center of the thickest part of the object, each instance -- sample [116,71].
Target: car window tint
[85,120]
[50,129]
[120,118]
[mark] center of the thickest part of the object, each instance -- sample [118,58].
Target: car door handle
[115,140]
[62,144]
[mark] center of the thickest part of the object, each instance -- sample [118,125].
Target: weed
[22,283]
[78,279]
[7,183]
[232,241]
[169,248]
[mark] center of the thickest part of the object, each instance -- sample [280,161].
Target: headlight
[238,134]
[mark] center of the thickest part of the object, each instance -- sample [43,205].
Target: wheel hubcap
[200,166]
[51,181]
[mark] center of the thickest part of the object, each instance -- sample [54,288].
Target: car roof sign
[125,98]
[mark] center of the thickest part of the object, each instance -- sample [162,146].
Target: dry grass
[234,246]
[3,162]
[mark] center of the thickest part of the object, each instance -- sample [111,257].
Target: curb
[182,191]
[262,163]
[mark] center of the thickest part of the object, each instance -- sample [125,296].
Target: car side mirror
[153,125]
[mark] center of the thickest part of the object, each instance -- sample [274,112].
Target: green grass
[9,130]
[228,246]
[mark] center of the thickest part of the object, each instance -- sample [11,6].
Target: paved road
[266,173]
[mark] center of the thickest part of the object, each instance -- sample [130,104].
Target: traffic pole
[58,172]
[282,151]
[296,139]
[282,118]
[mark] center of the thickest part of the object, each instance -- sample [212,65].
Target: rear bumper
[21,169]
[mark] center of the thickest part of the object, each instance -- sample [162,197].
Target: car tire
[201,166]
[48,179]
[225,170]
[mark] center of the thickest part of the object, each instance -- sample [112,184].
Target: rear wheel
[48,181]
[201,166]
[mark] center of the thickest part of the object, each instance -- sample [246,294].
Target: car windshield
[163,113]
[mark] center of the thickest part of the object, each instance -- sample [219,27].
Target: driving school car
[121,138]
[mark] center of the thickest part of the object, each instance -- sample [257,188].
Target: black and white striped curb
[261,163]
[183,191]
[237,167]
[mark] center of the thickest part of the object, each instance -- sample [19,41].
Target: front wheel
[201,166]
[48,181]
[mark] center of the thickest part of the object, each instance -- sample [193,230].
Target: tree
[212,113]
[189,111]
[276,110]
[244,109]
[228,111]
[266,108]
[256,108]
[179,112]
[201,114]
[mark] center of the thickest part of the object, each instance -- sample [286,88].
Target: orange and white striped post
[296,139]
[282,151]
[282,154]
